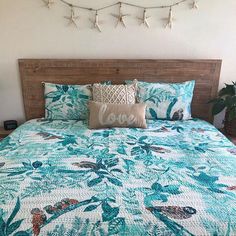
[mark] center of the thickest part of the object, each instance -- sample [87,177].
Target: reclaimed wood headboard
[33,72]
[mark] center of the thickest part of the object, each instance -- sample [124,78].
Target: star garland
[195,5]
[74,18]
[120,17]
[170,19]
[48,3]
[96,23]
[144,19]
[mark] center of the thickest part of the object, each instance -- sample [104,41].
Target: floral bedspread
[174,178]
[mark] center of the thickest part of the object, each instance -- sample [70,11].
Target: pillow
[105,115]
[106,82]
[170,101]
[66,102]
[118,94]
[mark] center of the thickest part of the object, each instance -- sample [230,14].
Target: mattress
[174,178]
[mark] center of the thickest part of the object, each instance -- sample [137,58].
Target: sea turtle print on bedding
[174,178]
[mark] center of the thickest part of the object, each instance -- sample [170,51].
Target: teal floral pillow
[66,102]
[170,101]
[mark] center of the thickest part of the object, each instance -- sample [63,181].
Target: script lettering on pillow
[106,115]
[112,117]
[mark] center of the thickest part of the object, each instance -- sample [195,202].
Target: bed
[174,178]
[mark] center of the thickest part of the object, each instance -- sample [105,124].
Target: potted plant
[227,100]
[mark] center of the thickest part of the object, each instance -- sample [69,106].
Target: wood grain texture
[4,133]
[33,72]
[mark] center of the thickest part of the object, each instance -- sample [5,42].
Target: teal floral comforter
[174,178]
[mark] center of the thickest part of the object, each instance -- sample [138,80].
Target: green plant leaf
[232,114]
[56,98]
[106,207]
[172,189]
[90,208]
[153,113]
[27,165]
[213,100]
[102,172]
[218,107]
[230,101]
[117,170]
[2,164]
[228,90]
[21,233]
[112,162]
[13,227]
[94,181]
[226,99]
[115,181]
[2,226]
[17,173]
[14,212]
[111,214]
[83,96]
[69,104]
[53,94]
[156,187]
[95,199]
[121,150]
[136,151]
[142,138]
[116,225]
[65,88]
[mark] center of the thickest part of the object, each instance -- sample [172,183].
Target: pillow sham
[66,102]
[106,115]
[118,94]
[170,101]
[106,82]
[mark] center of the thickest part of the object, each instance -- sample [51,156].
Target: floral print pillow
[170,101]
[66,102]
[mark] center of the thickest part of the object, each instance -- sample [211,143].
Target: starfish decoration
[170,19]
[72,18]
[48,3]
[194,5]
[96,22]
[120,17]
[144,19]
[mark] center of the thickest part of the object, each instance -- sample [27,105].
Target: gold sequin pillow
[118,94]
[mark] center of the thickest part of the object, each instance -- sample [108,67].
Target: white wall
[29,30]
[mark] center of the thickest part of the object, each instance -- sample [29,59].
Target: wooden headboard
[33,72]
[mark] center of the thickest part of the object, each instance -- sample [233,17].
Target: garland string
[120,17]
[124,3]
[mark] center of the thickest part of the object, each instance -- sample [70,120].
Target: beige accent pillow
[105,115]
[119,94]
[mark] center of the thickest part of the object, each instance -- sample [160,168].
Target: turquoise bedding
[174,178]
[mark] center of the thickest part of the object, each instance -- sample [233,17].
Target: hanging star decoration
[72,18]
[195,5]
[48,3]
[120,17]
[170,19]
[144,19]
[96,22]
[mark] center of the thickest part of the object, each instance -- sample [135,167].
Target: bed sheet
[174,178]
